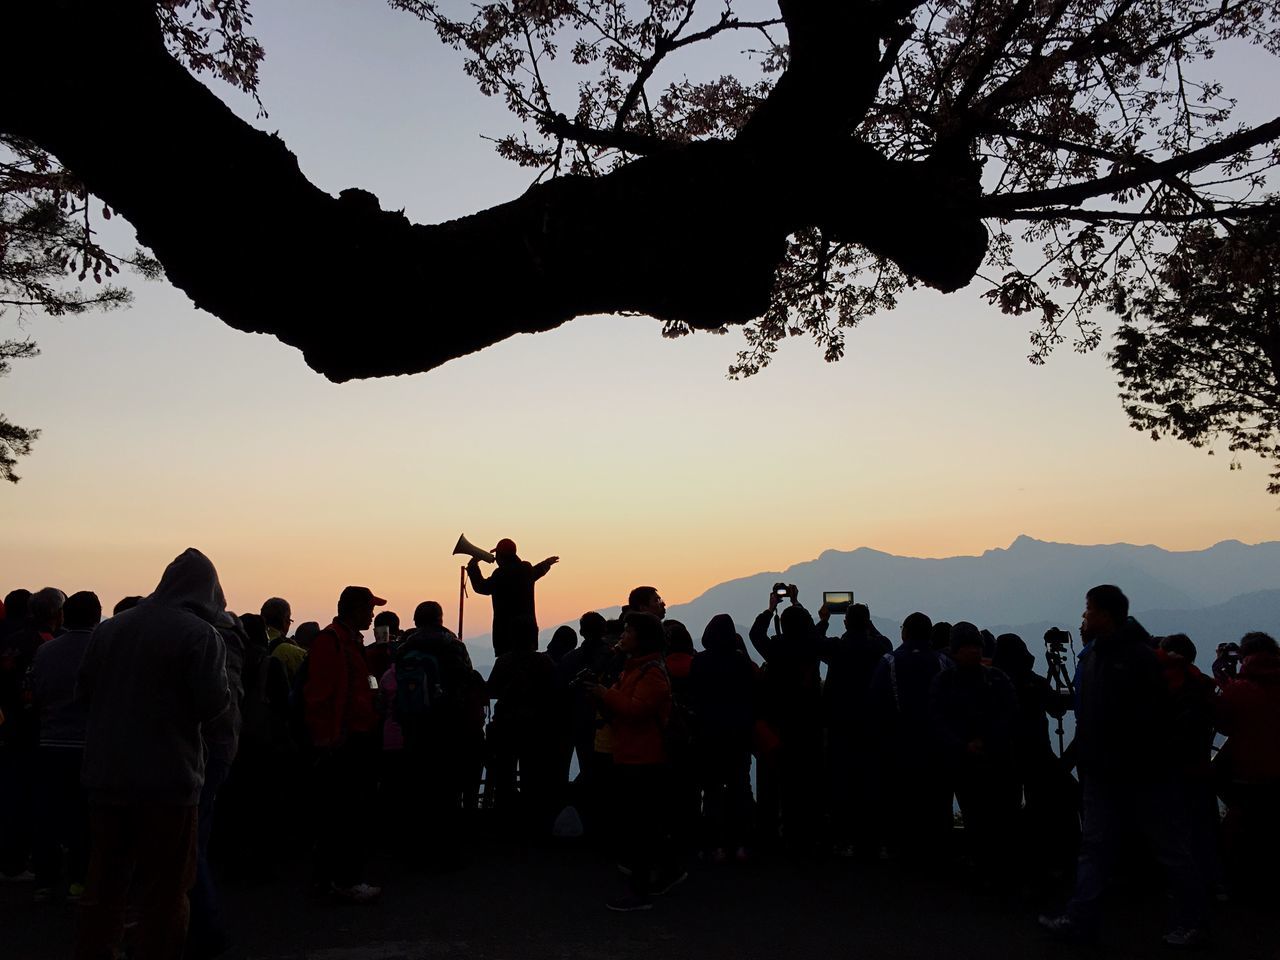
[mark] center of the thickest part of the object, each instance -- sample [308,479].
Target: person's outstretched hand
[550,562]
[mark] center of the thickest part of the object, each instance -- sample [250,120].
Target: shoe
[670,883]
[42,895]
[629,904]
[75,892]
[359,893]
[1061,927]
[1184,938]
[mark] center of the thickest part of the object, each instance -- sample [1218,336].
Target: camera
[837,601]
[1055,637]
[586,677]
[1229,651]
[781,590]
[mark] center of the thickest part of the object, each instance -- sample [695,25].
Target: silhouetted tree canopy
[1064,153]
[1199,355]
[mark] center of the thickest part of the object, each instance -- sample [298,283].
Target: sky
[631,457]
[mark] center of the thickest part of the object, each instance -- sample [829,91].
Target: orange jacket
[638,707]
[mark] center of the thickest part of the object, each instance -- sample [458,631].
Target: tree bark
[692,234]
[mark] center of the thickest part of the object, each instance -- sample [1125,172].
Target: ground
[547,903]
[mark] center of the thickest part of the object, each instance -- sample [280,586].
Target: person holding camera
[792,706]
[851,660]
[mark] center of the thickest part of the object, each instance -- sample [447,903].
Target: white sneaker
[359,893]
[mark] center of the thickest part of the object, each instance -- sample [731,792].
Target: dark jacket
[899,705]
[792,684]
[594,656]
[851,661]
[1192,696]
[19,725]
[510,587]
[722,688]
[975,703]
[222,734]
[152,676]
[1123,712]
[63,719]
[1031,746]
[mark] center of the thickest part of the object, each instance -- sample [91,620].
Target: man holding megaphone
[510,587]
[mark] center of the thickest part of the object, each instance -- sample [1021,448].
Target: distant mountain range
[1212,595]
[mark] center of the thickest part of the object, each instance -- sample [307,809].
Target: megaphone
[471,550]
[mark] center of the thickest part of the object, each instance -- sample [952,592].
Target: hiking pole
[462,595]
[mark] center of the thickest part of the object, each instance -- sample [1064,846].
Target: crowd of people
[133,746]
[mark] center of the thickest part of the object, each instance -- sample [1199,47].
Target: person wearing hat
[343,723]
[510,588]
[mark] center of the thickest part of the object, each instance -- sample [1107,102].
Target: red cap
[352,595]
[505,545]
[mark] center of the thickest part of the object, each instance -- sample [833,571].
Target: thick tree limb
[692,234]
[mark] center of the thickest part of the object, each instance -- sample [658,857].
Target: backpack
[418,684]
[298,705]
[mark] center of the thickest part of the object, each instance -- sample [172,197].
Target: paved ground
[547,904]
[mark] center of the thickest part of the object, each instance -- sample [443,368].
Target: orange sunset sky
[632,457]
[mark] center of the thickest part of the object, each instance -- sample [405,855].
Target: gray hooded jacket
[151,677]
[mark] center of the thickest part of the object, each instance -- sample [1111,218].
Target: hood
[1261,668]
[718,636]
[191,583]
[1012,655]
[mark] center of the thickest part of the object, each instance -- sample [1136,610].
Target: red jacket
[338,696]
[638,707]
[1248,711]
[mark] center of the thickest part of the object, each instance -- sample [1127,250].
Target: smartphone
[837,601]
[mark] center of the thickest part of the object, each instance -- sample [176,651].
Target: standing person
[721,694]
[792,705]
[637,708]
[277,617]
[207,937]
[581,667]
[1123,718]
[152,676]
[344,727]
[19,729]
[851,661]
[433,678]
[972,707]
[1248,712]
[647,600]
[918,795]
[62,812]
[510,588]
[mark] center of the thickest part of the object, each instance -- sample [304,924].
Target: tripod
[1060,678]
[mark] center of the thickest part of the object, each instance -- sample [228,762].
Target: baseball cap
[505,545]
[353,595]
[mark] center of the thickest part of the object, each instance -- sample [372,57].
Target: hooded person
[721,691]
[510,588]
[152,677]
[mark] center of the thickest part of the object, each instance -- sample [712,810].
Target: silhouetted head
[355,607]
[941,636]
[254,628]
[16,603]
[1258,642]
[305,633]
[966,645]
[592,626]
[642,634]
[646,600]
[857,617]
[428,614]
[1012,656]
[679,640]
[45,609]
[796,623]
[613,630]
[1179,645]
[125,603]
[988,643]
[190,583]
[917,632]
[504,552]
[1106,609]
[719,634]
[82,611]
[277,615]
[562,641]
[389,620]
